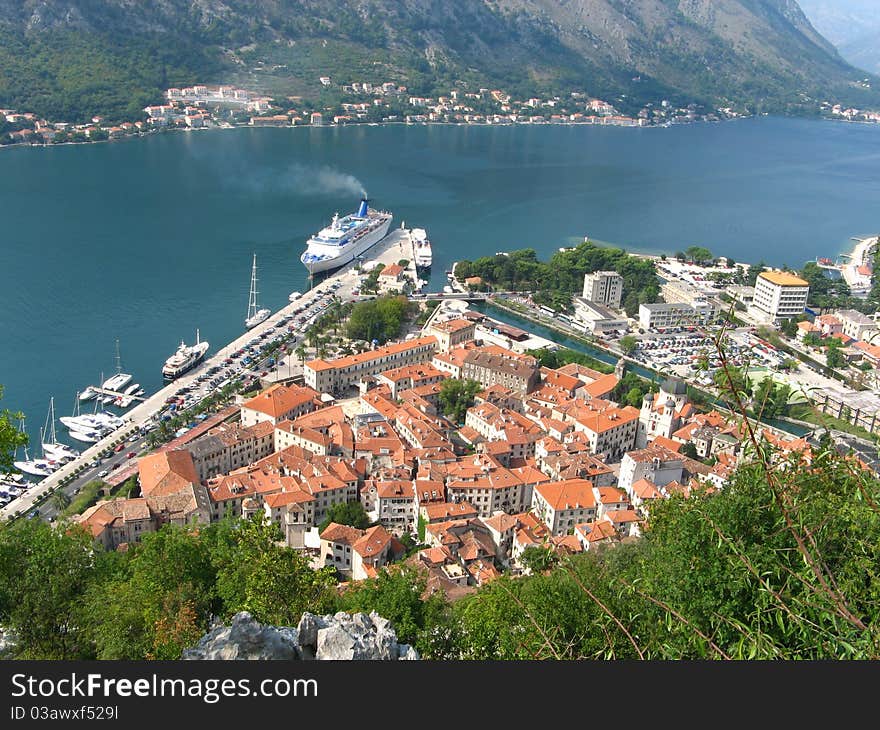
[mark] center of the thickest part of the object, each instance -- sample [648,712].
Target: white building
[779,295]
[657,464]
[856,325]
[562,505]
[604,287]
[661,316]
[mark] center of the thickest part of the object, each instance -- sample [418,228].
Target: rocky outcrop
[341,636]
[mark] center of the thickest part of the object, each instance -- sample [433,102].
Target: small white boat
[88,394]
[294,296]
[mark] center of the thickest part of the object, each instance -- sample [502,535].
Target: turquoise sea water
[148,239]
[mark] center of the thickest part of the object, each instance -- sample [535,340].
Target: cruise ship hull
[347,253]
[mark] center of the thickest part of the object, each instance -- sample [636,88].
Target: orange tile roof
[600,422]
[280,399]
[370,355]
[569,494]
[166,472]
[334,532]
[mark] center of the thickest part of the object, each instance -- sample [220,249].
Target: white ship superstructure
[345,238]
[185,359]
[422,249]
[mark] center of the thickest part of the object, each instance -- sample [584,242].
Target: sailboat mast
[118,359]
[252,301]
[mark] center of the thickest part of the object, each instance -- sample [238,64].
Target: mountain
[72,58]
[851,25]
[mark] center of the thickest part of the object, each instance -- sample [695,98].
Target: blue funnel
[362,211]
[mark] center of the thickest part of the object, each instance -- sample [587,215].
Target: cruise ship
[345,238]
[185,359]
[422,249]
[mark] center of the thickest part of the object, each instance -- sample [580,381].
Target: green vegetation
[10,437]
[346,513]
[73,75]
[563,356]
[456,396]
[827,293]
[628,344]
[88,495]
[699,255]
[379,319]
[553,283]
[631,390]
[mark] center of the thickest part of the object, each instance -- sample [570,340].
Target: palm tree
[301,353]
[61,500]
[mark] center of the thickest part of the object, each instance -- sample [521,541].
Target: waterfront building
[597,318]
[663,316]
[683,292]
[337,375]
[779,295]
[604,287]
[453,333]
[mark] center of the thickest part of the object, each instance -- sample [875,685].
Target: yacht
[254,314]
[51,447]
[36,467]
[118,381]
[294,295]
[345,238]
[89,436]
[88,394]
[185,359]
[422,249]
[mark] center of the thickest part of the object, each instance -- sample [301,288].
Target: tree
[397,594]
[60,500]
[456,396]
[539,558]
[754,270]
[379,319]
[699,254]
[628,344]
[689,450]
[44,575]
[789,327]
[166,577]
[10,437]
[346,513]
[833,356]
[256,572]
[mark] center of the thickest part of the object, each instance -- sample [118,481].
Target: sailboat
[51,447]
[118,381]
[37,467]
[254,315]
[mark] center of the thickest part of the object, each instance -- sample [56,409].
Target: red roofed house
[562,505]
[279,403]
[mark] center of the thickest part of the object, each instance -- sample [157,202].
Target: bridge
[461,296]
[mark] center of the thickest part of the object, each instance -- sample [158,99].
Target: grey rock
[246,639]
[341,637]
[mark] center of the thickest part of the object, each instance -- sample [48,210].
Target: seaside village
[202,106]
[543,458]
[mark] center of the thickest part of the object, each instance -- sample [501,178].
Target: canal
[563,340]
